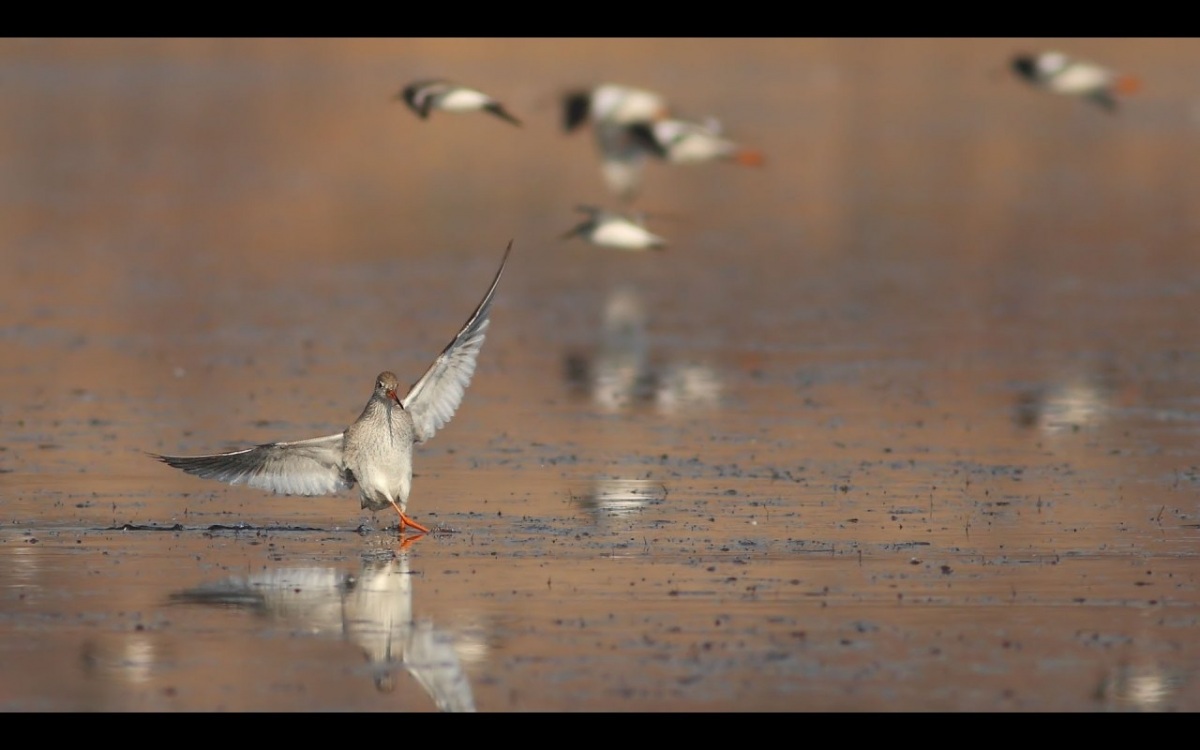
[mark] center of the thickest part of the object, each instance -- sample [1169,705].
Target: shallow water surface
[905,419]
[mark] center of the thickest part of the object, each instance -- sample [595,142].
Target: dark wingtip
[576,105]
[499,110]
[172,461]
[503,263]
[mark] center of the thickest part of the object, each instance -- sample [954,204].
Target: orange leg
[405,521]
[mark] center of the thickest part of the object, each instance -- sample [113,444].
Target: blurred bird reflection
[620,373]
[1145,687]
[1076,400]
[372,609]
[611,498]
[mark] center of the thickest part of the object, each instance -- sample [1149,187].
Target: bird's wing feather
[434,398]
[302,467]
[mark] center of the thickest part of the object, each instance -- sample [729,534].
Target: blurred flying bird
[632,126]
[1060,74]
[614,111]
[612,103]
[611,229]
[425,96]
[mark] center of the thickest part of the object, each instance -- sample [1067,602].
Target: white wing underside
[301,467]
[434,398]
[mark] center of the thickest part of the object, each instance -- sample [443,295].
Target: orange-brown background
[916,422]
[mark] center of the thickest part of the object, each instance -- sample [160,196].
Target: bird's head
[386,385]
[1025,65]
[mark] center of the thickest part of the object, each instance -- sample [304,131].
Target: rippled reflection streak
[372,609]
[133,657]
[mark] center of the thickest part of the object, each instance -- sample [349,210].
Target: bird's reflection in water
[133,658]
[1146,687]
[620,373]
[1076,400]
[613,498]
[372,609]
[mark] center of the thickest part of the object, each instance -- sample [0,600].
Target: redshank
[376,450]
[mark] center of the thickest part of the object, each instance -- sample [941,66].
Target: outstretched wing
[434,398]
[303,467]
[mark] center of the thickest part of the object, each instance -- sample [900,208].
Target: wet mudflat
[905,419]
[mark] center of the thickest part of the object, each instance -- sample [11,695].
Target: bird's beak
[390,393]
